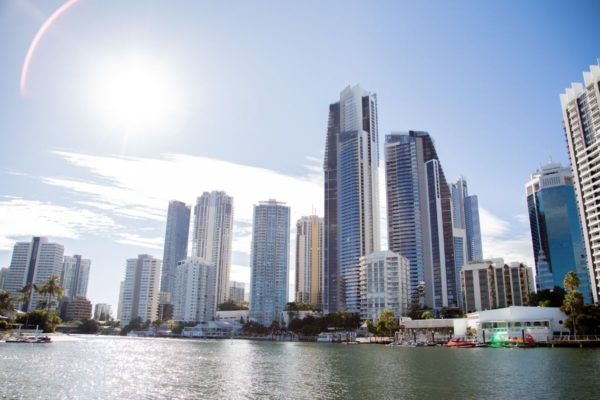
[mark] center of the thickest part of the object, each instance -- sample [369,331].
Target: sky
[128,104]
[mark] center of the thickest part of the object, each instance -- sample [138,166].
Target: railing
[574,338]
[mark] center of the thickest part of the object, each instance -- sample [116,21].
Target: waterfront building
[194,291]
[3,275]
[176,243]
[213,329]
[491,284]
[75,276]
[140,289]
[102,312]
[581,118]
[420,218]
[558,245]
[384,284]
[233,315]
[351,222]
[237,291]
[309,260]
[466,230]
[120,305]
[33,262]
[75,308]
[212,236]
[269,261]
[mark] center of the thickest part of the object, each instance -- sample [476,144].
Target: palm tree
[571,281]
[427,315]
[25,297]
[6,303]
[51,289]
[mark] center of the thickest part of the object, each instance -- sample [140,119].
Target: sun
[135,94]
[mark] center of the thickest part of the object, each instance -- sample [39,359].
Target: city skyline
[104,193]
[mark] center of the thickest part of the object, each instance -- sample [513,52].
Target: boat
[514,342]
[30,339]
[460,343]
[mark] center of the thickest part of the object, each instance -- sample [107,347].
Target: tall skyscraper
[581,105]
[140,289]
[351,223]
[269,261]
[194,291]
[33,262]
[176,243]
[384,284]
[555,229]
[75,276]
[465,228]
[420,217]
[213,225]
[309,260]
[102,312]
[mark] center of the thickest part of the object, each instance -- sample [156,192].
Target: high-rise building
[75,276]
[420,218]
[176,243]
[33,262]
[194,291]
[491,284]
[384,284]
[465,229]
[269,261]
[140,289]
[581,110]
[213,225]
[102,312]
[3,276]
[237,291]
[351,223]
[555,229]
[165,304]
[309,260]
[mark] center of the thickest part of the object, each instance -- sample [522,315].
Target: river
[95,367]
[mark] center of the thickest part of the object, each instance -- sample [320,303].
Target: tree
[231,305]
[573,304]
[51,289]
[156,324]
[7,307]
[427,315]
[46,320]
[548,297]
[25,297]
[386,323]
[370,327]
[571,281]
[89,326]
[134,325]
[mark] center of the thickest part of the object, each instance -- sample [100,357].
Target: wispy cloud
[21,218]
[510,240]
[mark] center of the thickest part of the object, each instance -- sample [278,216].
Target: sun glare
[135,95]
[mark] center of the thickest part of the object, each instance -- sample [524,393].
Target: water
[136,368]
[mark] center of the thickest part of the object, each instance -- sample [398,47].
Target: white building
[140,289]
[212,235]
[102,312]
[384,284]
[33,262]
[194,291]
[510,322]
[233,315]
[120,305]
[75,276]
[581,119]
[493,284]
[309,260]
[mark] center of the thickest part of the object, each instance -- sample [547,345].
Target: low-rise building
[492,284]
[233,315]
[75,309]
[212,329]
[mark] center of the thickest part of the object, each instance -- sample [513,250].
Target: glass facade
[176,243]
[557,239]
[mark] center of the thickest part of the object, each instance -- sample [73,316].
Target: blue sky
[247,87]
